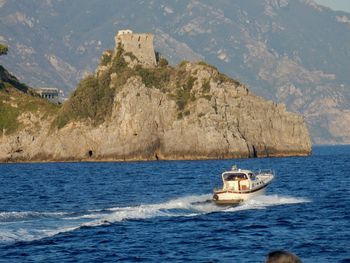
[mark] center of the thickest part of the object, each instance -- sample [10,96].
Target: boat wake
[29,226]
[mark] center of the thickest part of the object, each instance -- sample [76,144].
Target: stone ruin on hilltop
[140,45]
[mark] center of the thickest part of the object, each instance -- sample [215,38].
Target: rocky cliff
[127,112]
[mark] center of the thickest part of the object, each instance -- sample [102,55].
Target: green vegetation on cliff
[3,49]
[13,103]
[17,99]
[94,96]
[7,78]
[91,100]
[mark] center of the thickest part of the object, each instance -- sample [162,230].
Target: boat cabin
[238,180]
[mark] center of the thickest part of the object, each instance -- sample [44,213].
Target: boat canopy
[234,176]
[238,175]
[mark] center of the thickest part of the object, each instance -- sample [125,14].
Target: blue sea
[161,211]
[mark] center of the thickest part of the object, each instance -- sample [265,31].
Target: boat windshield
[252,176]
[234,176]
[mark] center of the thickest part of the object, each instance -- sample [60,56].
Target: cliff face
[190,112]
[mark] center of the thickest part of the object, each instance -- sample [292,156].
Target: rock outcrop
[188,112]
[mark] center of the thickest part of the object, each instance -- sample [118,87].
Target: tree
[3,49]
[163,62]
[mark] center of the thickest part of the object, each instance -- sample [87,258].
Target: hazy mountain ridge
[295,52]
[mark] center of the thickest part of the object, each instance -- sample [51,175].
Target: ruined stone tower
[141,45]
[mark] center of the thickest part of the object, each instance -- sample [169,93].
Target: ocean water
[161,211]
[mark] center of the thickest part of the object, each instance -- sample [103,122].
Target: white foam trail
[37,225]
[9,216]
[31,235]
[177,207]
[264,201]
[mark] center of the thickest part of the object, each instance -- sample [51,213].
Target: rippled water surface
[160,211]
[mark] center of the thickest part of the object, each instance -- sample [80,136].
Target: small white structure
[125,31]
[51,94]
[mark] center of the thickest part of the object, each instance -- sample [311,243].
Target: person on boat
[281,256]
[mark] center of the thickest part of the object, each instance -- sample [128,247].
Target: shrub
[148,77]
[104,79]
[223,78]
[163,62]
[206,86]
[207,97]
[8,118]
[131,55]
[120,67]
[192,97]
[154,77]
[190,83]
[3,49]
[120,50]
[93,99]
[183,89]
[203,63]
[118,64]
[122,77]
[182,97]
[183,63]
[106,58]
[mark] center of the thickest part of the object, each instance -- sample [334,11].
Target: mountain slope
[295,52]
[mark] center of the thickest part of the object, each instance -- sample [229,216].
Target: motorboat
[240,185]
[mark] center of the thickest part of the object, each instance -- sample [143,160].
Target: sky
[343,5]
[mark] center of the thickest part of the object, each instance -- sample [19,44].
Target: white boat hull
[231,197]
